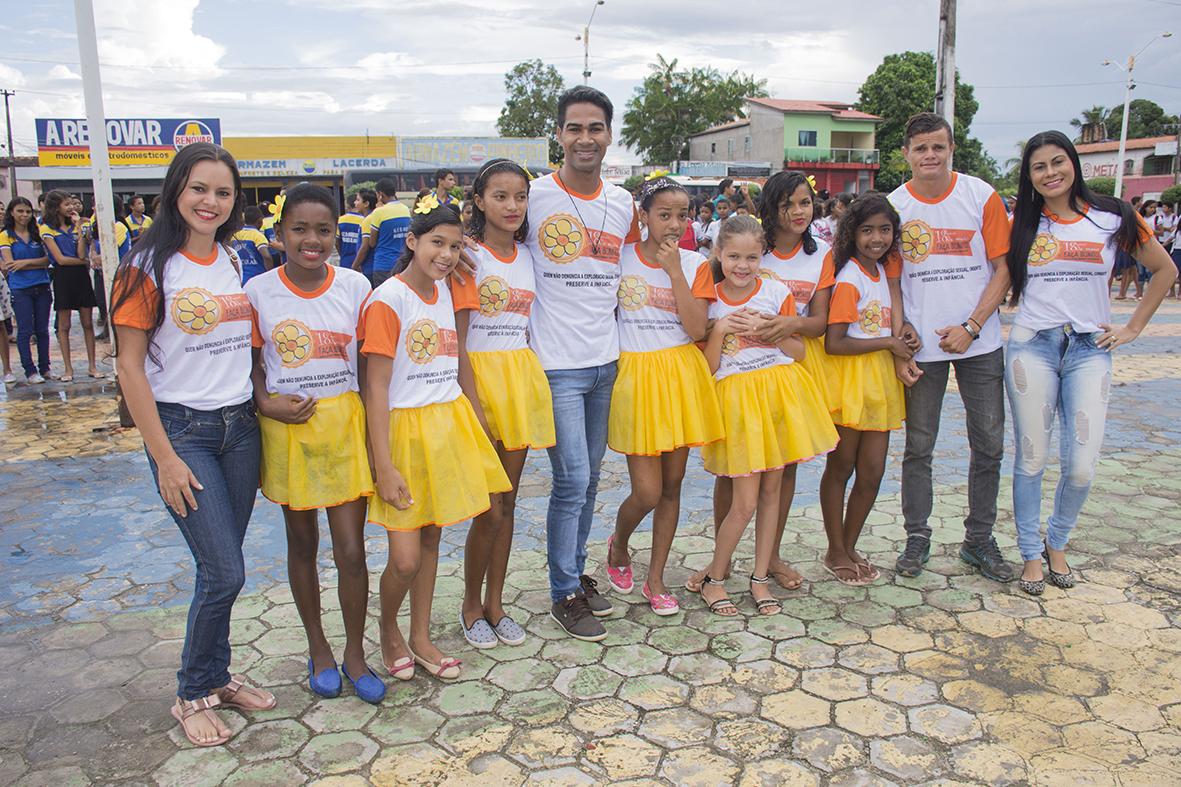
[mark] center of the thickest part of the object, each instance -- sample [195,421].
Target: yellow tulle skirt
[449,465]
[320,463]
[515,397]
[816,361]
[663,400]
[871,396]
[774,417]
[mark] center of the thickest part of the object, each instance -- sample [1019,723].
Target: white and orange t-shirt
[202,348]
[749,353]
[648,318]
[309,339]
[500,296]
[946,245]
[803,273]
[1070,262]
[576,240]
[420,336]
[862,301]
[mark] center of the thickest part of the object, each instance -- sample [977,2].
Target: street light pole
[585,39]
[11,152]
[1123,134]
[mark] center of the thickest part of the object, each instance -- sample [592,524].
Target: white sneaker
[35,379]
[10,379]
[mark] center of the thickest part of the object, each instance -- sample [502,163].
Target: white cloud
[60,72]
[141,34]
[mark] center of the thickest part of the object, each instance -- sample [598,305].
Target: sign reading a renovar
[134,141]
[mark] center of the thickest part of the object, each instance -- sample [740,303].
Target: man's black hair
[584,94]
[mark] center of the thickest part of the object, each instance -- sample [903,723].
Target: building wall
[858,132]
[767,135]
[728,145]
[311,147]
[1136,184]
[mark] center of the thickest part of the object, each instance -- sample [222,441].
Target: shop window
[808,139]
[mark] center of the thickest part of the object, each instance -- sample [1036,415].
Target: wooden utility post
[945,63]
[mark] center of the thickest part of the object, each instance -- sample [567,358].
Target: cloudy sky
[435,67]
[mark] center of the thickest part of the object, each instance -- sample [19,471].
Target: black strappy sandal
[764,605]
[1064,581]
[719,606]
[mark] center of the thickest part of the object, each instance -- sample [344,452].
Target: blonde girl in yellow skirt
[870,403]
[773,412]
[504,382]
[663,401]
[433,461]
[306,379]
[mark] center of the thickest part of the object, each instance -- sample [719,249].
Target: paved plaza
[947,678]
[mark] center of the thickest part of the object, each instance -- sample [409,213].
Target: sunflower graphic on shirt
[422,341]
[494,295]
[633,293]
[293,343]
[917,238]
[1043,249]
[561,238]
[196,311]
[871,318]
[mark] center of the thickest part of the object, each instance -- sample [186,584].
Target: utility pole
[11,152]
[1177,166]
[1130,86]
[585,39]
[945,63]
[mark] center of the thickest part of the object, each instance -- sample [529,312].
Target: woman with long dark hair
[61,232]
[1063,247]
[26,264]
[183,326]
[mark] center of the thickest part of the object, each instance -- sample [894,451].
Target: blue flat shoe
[325,684]
[368,687]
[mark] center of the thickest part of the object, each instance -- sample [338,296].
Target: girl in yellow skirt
[433,461]
[663,401]
[773,412]
[870,403]
[306,376]
[503,381]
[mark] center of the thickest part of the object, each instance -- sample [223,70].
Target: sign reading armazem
[131,141]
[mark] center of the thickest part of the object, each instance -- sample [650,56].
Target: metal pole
[1123,132]
[11,151]
[1177,168]
[586,53]
[100,162]
[945,63]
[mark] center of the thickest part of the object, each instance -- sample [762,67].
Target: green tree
[903,85]
[1171,195]
[1102,185]
[1145,119]
[352,190]
[532,89]
[1093,124]
[671,105]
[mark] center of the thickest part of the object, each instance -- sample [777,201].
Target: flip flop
[859,582]
[66,378]
[871,572]
[99,376]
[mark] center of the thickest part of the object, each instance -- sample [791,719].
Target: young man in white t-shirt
[952,279]
[577,227]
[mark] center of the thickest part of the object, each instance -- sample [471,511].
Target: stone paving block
[944,723]
[459,699]
[562,777]
[197,768]
[653,692]
[417,764]
[723,702]
[632,660]
[834,683]
[1104,742]
[522,675]
[777,772]
[975,696]
[66,776]
[624,756]
[89,706]
[678,640]
[906,757]
[870,717]
[604,717]
[989,763]
[869,659]
[475,735]
[746,739]
[835,631]
[674,728]
[805,652]
[544,747]
[828,749]
[699,767]
[765,677]
[265,774]
[795,710]
[337,752]
[902,689]
[406,725]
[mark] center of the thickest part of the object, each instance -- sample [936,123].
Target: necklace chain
[594,239]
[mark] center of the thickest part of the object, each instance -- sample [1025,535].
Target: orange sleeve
[893,265]
[382,329]
[142,299]
[828,272]
[703,283]
[255,333]
[465,296]
[995,228]
[633,233]
[1144,233]
[361,319]
[788,307]
[843,306]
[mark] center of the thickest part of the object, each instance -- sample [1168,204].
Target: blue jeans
[582,402]
[222,449]
[1054,373]
[31,306]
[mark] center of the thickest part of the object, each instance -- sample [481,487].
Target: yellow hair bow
[811,181]
[659,173]
[277,208]
[427,204]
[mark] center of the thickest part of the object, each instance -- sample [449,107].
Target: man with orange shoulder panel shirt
[577,227]
[951,281]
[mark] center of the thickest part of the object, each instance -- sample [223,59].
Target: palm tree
[1092,124]
[1012,164]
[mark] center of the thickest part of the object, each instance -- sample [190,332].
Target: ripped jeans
[1048,373]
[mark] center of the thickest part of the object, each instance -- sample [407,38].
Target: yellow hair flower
[427,204]
[811,181]
[278,207]
[658,173]
[528,175]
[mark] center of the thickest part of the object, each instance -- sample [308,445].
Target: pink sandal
[618,577]
[662,604]
[403,668]
[184,710]
[447,669]
[228,694]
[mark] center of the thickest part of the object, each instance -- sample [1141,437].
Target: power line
[349,66]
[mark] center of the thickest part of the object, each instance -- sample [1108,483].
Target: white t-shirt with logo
[1167,226]
[1066,277]
[648,318]
[420,336]
[749,353]
[803,273]
[946,247]
[309,339]
[500,296]
[861,301]
[576,240]
[202,349]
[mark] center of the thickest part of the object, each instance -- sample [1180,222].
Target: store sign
[130,141]
[702,169]
[309,167]
[432,152]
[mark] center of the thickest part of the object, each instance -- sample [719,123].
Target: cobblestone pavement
[947,678]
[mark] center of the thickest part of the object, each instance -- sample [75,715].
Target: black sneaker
[987,557]
[600,606]
[574,615]
[916,554]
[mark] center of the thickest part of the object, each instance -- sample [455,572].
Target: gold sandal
[184,710]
